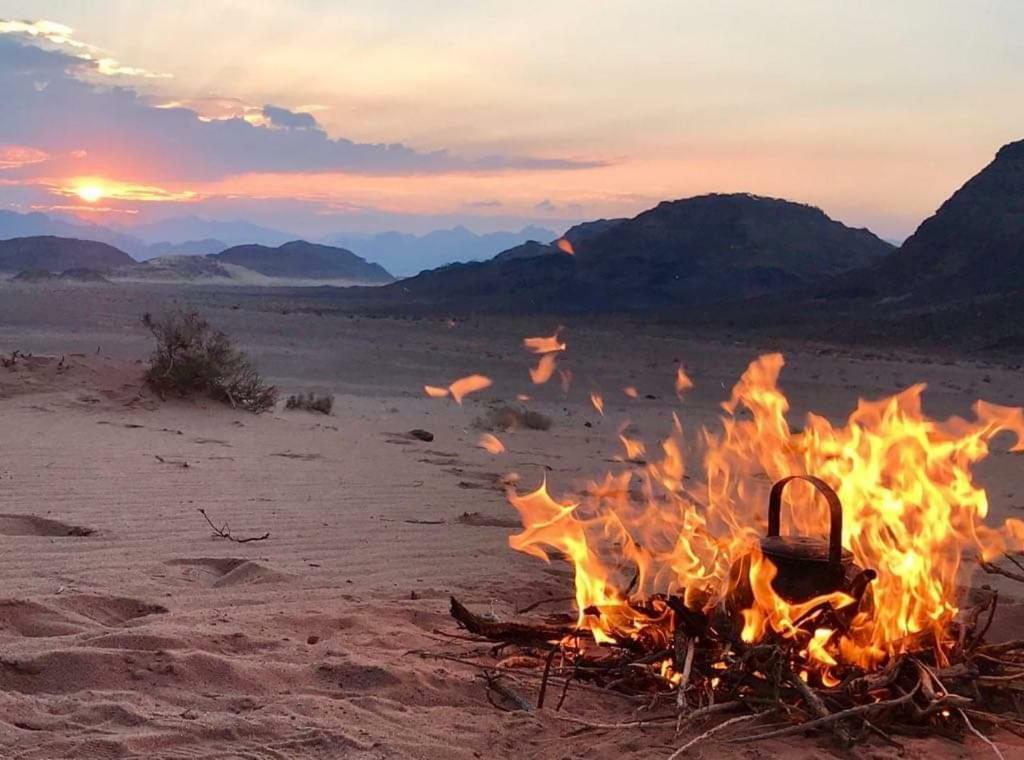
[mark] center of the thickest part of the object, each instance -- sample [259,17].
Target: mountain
[703,250]
[301,260]
[576,236]
[406,254]
[15,225]
[585,231]
[180,229]
[527,250]
[56,254]
[974,243]
[186,248]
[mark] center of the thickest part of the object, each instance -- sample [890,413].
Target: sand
[128,630]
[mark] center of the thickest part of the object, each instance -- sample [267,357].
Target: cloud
[52,102]
[488,203]
[285,119]
[16,156]
[59,35]
[546,205]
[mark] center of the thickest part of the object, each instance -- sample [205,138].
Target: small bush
[506,417]
[310,402]
[194,358]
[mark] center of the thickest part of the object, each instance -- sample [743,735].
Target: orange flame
[544,370]
[911,511]
[683,382]
[598,402]
[565,246]
[491,444]
[544,345]
[460,388]
[630,391]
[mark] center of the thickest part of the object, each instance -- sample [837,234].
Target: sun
[90,193]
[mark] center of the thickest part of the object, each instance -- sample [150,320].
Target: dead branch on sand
[225,532]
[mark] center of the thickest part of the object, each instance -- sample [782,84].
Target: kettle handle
[835,538]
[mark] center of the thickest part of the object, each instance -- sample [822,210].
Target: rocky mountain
[973,245]
[57,254]
[406,254]
[703,250]
[301,260]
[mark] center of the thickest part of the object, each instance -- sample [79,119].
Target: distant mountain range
[405,254]
[34,257]
[398,252]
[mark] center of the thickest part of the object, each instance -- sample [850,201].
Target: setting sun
[90,193]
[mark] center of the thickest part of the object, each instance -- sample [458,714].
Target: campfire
[806,579]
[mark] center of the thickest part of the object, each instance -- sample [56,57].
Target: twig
[684,680]
[494,682]
[976,732]
[544,679]
[829,719]
[515,633]
[711,732]
[721,707]
[993,569]
[988,623]
[818,706]
[225,532]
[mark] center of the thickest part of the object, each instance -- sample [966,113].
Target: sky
[316,116]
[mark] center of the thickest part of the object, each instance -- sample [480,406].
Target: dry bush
[194,358]
[506,417]
[310,402]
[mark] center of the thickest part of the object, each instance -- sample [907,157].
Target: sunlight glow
[90,193]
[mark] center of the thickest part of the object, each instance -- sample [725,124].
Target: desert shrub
[506,417]
[310,402]
[194,358]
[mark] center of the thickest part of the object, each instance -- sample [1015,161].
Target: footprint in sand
[217,572]
[71,614]
[29,525]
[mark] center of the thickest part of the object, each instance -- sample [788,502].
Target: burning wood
[857,634]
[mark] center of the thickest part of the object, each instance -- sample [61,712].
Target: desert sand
[128,630]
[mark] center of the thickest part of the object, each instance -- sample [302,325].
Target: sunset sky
[316,116]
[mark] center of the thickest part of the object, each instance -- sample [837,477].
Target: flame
[598,402]
[683,382]
[630,391]
[565,246]
[491,444]
[544,345]
[460,388]
[544,370]
[911,511]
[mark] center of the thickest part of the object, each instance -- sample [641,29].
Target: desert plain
[128,630]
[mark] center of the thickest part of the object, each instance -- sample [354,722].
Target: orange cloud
[15,156]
